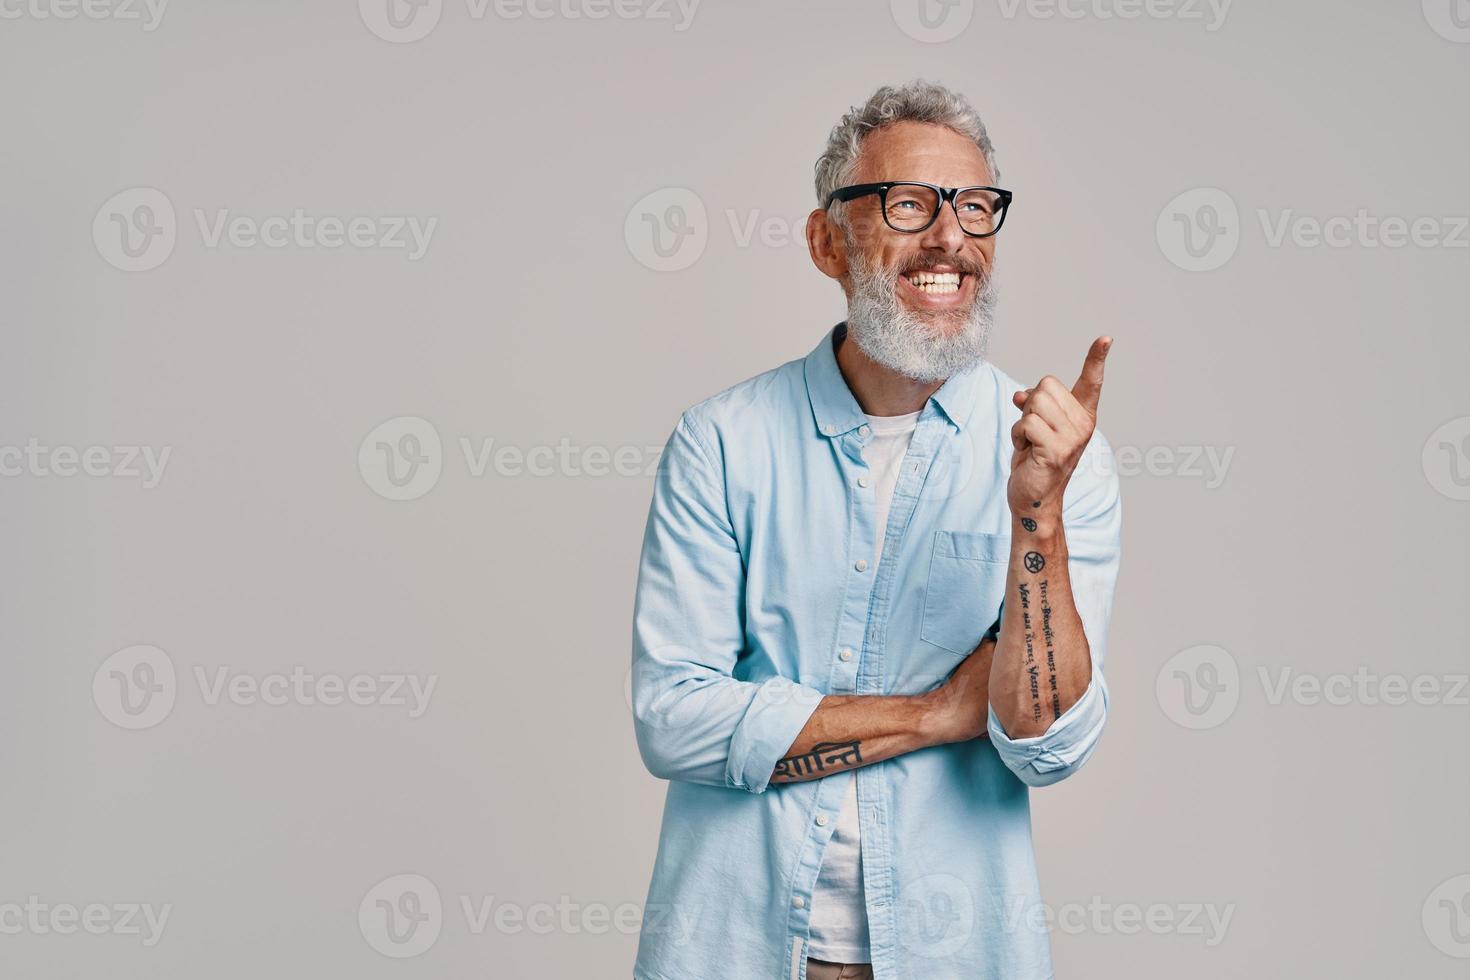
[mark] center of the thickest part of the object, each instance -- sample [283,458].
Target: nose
[945,234]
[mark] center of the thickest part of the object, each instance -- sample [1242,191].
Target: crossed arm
[851,730]
[697,722]
[1042,665]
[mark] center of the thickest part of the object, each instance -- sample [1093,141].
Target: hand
[1054,428]
[961,705]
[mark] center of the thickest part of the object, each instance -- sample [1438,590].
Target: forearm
[852,730]
[1042,663]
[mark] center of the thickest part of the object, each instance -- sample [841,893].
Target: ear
[826,244]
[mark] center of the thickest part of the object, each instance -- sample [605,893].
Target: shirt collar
[836,411]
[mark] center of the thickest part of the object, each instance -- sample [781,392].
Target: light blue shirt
[759,592]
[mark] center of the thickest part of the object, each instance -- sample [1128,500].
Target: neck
[880,390]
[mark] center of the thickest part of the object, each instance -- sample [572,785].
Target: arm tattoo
[1032,671]
[823,755]
[1034,561]
[1051,653]
[1028,523]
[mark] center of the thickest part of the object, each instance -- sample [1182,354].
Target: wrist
[1036,523]
[936,716]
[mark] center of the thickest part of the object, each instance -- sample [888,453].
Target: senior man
[872,602]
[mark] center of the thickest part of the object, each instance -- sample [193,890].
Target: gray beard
[919,347]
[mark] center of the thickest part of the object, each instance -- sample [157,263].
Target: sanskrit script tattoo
[1051,653]
[823,756]
[1034,561]
[1033,673]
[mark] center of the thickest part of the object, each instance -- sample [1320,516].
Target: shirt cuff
[777,714]
[1060,750]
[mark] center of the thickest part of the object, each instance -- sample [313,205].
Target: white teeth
[941,278]
[935,283]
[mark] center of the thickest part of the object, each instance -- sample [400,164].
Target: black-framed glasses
[911,206]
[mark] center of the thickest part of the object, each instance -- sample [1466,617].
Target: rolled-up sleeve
[694,721]
[1093,516]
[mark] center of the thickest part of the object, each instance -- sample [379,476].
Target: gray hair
[916,101]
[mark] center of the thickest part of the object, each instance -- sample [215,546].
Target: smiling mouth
[935,283]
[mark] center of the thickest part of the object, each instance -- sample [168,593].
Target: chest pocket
[967,580]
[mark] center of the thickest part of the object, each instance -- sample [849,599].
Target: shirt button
[829,428]
[862,481]
[864,431]
[862,565]
[821,820]
[845,655]
[798,902]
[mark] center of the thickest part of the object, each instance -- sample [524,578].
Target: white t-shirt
[839,919]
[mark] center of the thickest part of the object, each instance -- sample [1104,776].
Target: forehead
[921,151]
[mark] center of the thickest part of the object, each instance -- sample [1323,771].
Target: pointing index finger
[1088,389]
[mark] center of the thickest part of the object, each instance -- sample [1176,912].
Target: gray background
[1332,542]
